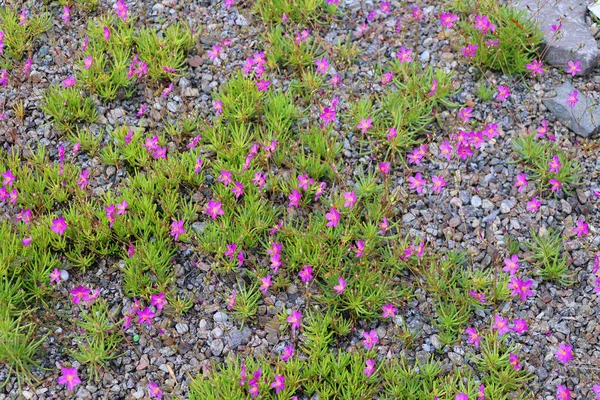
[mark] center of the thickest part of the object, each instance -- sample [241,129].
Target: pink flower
[158,301]
[287,353]
[360,248]
[535,67]
[387,78]
[145,316]
[554,165]
[368,371]
[501,324]
[142,110]
[555,185]
[177,229]
[520,326]
[106,33]
[55,276]
[66,15]
[404,55]
[59,226]
[511,264]
[87,62]
[69,377]
[503,93]
[438,183]
[465,114]
[350,198]
[371,339]
[417,182]
[521,182]
[294,198]
[322,65]
[69,82]
[574,67]
[26,66]
[389,311]
[333,217]
[582,228]
[520,288]
[384,167]
[461,396]
[79,293]
[335,80]
[263,85]
[365,124]
[513,359]
[8,178]
[572,98]
[3,77]
[542,130]
[237,189]
[445,150]
[483,24]
[447,19]
[214,53]
[478,296]
[121,10]
[306,273]
[564,353]
[417,155]
[473,336]
[470,50]
[341,286]
[295,319]
[596,389]
[563,393]
[214,209]
[279,383]
[154,390]
[266,282]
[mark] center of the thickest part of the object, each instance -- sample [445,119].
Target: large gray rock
[583,119]
[574,41]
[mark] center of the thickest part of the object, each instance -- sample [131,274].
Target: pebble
[216,347]
[476,201]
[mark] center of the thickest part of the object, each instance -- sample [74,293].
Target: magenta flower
[69,377]
[513,359]
[389,311]
[8,178]
[404,55]
[266,282]
[417,182]
[322,65]
[572,98]
[555,185]
[66,15]
[341,286]
[365,124]
[473,336]
[563,393]
[145,316]
[154,390]
[26,66]
[263,85]
[469,51]
[438,183]
[122,207]
[520,288]
[564,353]
[387,78]
[214,209]
[554,165]
[447,20]
[69,82]
[121,10]
[461,396]
[106,33]
[87,62]
[503,93]
[582,228]
[304,181]
[445,150]
[368,371]
[279,383]
[574,67]
[520,326]
[177,229]
[294,198]
[350,199]
[306,273]
[335,80]
[333,217]
[158,301]
[596,389]
[478,296]
[384,167]
[237,189]
[511,264]
[370,339]
[287,353]
[79,293]
[360,248]
[214,53]
[55,276]
[501,324]
[535,67]
[3,77]
[295,319]
[142,110]
[521,182]
[59,226]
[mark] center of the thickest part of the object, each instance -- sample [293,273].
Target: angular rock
[574,41]
[582,119]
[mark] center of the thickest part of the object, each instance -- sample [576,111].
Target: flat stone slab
[573,41]
[583,119]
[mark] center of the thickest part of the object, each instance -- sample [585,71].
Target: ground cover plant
[291,199]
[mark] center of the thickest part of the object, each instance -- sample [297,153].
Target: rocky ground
[478,212]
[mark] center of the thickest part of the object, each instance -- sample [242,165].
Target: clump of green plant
[68,107]
[21,29]
[507,46]
[245,301]
[85,5]
[484,91]
[546,254]
[100,340]
[286,49]
[300,11]
[538,156]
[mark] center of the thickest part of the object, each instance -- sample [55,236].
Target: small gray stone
[424,57]
[476,201]
[506,206]
[220,317]
[198,227]
[181,328]
[583,119]
[216,347]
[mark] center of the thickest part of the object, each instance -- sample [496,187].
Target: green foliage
[285,51]
[537,154]
[68,107]
[246,304]
[518,38]
[18,37]
[485,92]
[299,11]
[546,254]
